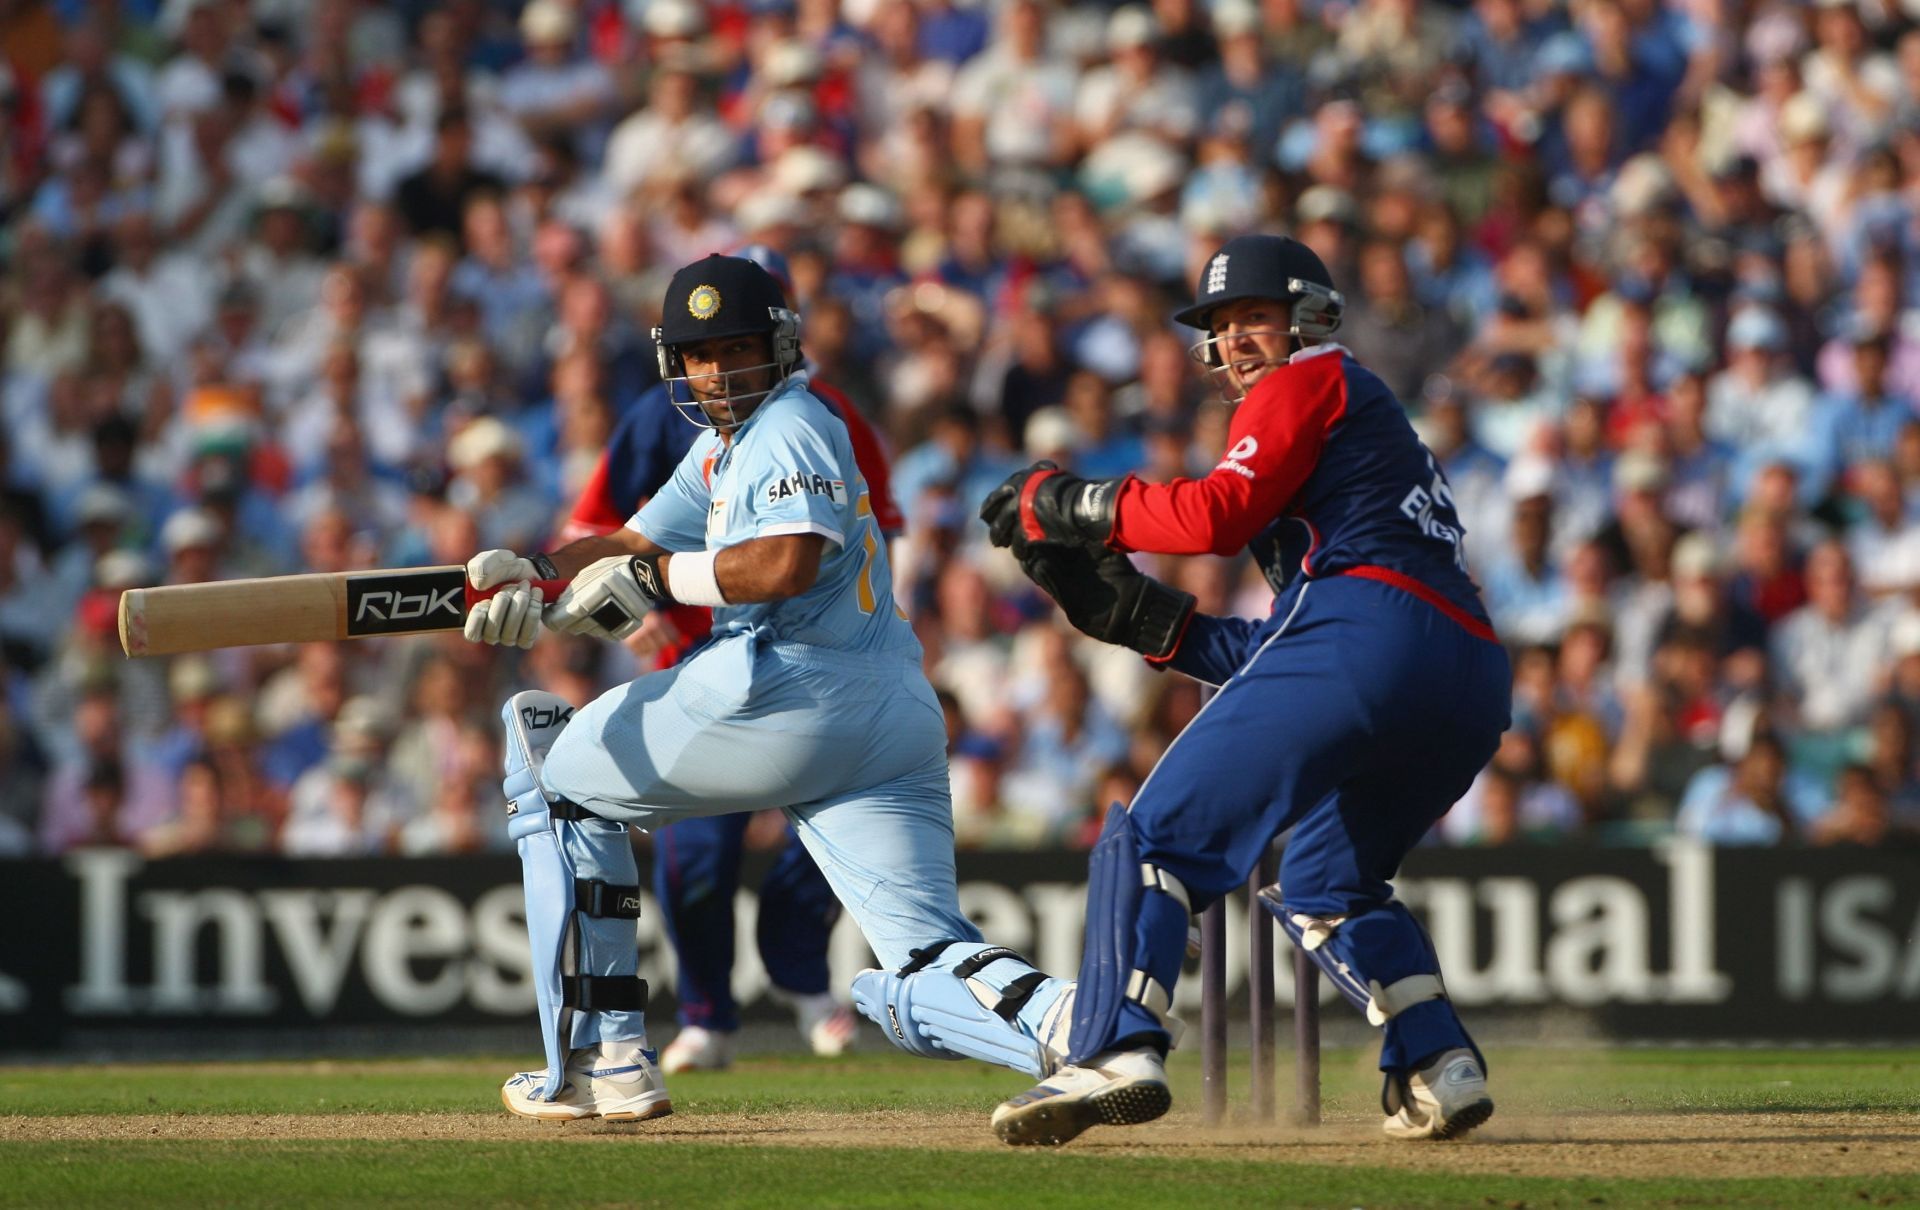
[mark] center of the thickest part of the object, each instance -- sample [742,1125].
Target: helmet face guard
[1313,312]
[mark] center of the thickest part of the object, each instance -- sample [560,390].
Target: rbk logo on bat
[406,602]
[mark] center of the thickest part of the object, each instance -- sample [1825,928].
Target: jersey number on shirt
[868,598]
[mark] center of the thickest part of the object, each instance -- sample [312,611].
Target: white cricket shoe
[616,1081]
[828,1025]
[1114,1088]
[697,1049]
[1442,1100]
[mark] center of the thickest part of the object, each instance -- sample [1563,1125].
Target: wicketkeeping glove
[1106,598]
[608,599]
[1046,504]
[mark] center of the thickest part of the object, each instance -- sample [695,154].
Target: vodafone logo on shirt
[1236,458]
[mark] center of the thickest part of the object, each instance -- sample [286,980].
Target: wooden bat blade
[297,609]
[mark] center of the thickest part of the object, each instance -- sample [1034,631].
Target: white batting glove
[509,618]
[492,568]
[604,602]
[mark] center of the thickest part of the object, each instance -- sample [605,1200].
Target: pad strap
[982,960]
[1018,993]
[1316,931]
[604,993]
[1391,1000]
[566,808]
[921,958]
[607,900]
[1156,879]
[1146,991]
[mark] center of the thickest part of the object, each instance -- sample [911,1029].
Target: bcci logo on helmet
[704,302]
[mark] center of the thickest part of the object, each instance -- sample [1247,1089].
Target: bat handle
[549,589]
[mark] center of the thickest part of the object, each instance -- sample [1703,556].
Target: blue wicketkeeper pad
[1135,942]
[583,895]
[1383,962]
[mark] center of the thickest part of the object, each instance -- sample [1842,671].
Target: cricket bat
[300,609]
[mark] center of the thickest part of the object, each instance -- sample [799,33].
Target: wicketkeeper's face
[1249,339]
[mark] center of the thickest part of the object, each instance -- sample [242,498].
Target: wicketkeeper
[1355,714]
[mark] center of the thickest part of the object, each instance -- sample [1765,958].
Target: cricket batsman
[696,861]
[809,698]
[1356,714]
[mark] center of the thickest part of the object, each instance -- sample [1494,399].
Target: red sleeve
[1273,445]
[593,512]
[870,453]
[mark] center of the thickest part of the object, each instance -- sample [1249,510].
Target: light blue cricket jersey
[790,470]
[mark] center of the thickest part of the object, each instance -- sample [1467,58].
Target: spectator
[1743,805]
[434,200]
[1827,656]
[1642,275]
[554,91]
[1525,592]
[1860,814]
[1390,330]
[1012,104]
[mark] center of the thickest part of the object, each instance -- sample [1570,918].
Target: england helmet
[1276,267]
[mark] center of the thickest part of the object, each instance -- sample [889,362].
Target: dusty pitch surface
[1615,1144]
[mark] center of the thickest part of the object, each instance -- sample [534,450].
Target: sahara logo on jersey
[789,486]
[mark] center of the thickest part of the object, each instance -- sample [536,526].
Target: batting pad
[969,1000]
[583,895]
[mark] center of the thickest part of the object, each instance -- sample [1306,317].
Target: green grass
[1529,1079]
[705,1176]
[554,1166]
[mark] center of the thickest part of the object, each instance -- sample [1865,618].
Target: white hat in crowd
[1529,477]
[547,21]
[1131,26]
[1051,431]
[803,170]
[188,528]
[674,19]
[103,504]
[480,440]
[869,206]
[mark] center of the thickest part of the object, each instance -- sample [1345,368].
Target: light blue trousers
[851,746]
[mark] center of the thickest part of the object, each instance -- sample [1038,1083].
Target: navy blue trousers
[696,872]
[1356,715]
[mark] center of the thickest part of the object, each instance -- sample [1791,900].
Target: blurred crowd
[328,284]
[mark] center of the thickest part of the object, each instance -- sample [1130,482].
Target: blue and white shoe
[615,1081]
[1115,1088]
[1443,1100]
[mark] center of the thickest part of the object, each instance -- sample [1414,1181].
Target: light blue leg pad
[971,1000]
[583,895]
